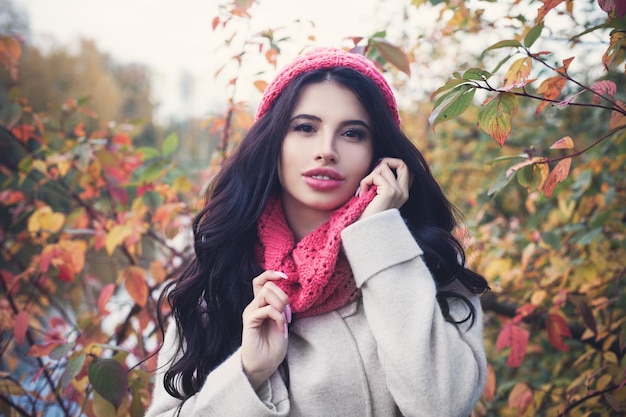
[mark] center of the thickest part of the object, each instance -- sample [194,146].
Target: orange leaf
[104,297]
[557,331]
[490,386]
[216,21]
[39,351]
[271,56]
[516,338]
[158,272]
[21,326]
[547,6]
[618,118]
[551,89]
[521,397]
[135,283]
[617,39]
[558,174]
[565,142]
[260,85]
[122,139]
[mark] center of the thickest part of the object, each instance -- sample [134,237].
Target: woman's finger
[259,281]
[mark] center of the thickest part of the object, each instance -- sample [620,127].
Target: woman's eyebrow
[306,116]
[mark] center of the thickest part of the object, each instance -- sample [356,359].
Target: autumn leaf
[104,297]
[116,237]
[521,397]
[515,337]
[565,142]
[618,118]
[518,71]
[134,279]
[616,41]
[489,391]
[392,54]
[157,272]
[495,117]
[558,174]
[557,330]
[21,326]
[603,87]
[527,162]
[551,89]
[271,56]
[545,9]
[260,85]
[45,221]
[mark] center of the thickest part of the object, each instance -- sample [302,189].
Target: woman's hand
[264,337]
[392,179]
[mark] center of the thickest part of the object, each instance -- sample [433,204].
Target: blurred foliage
[95,210]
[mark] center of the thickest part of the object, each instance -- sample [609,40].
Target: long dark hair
[208,298]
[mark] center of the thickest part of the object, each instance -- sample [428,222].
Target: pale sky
[173,37]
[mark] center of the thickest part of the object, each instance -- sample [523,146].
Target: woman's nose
[326,151]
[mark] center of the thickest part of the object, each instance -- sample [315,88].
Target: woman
[326,280]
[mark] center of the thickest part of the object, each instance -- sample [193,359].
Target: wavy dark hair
[208,298]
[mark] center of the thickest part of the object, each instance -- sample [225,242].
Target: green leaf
[495,117]
[148,152]
[109,379]
[392,54]
[499,183]
[529,176]
[533,35]
[60,351]
[552,239]
[152,199]
[476,74]
[74,366]
[153,172]
[505,44]
[589,237]
[170,144]
[452,105]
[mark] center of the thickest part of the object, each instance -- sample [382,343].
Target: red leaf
[547,6]
[516,338]
[603,87]
[39,351]
[216,21]
[557,330]
[104,297]
[557,175]
[21,327]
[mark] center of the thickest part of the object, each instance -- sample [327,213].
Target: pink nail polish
[288,313]
[358,192]
[281,274]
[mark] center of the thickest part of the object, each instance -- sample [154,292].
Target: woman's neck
[303,220]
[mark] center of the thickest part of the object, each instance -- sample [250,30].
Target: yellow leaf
[116,237]
[135,283]
[157,271]
[519,71]
[45,220]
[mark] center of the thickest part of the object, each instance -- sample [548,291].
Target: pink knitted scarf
[319,275]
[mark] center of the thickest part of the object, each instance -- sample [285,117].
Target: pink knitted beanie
[324,58]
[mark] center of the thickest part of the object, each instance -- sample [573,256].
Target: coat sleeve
[226,391]
[431,366]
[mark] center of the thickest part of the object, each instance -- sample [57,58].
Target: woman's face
[328,149]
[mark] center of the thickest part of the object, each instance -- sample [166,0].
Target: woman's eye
[357,134]
[304,127]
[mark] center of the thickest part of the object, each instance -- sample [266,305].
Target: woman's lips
[323,179]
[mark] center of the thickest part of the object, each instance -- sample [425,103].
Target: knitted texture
[324,58]
[319,278]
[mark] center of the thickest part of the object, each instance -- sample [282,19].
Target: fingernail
[281,274]
[285,330]
[288,312]
[358,192]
